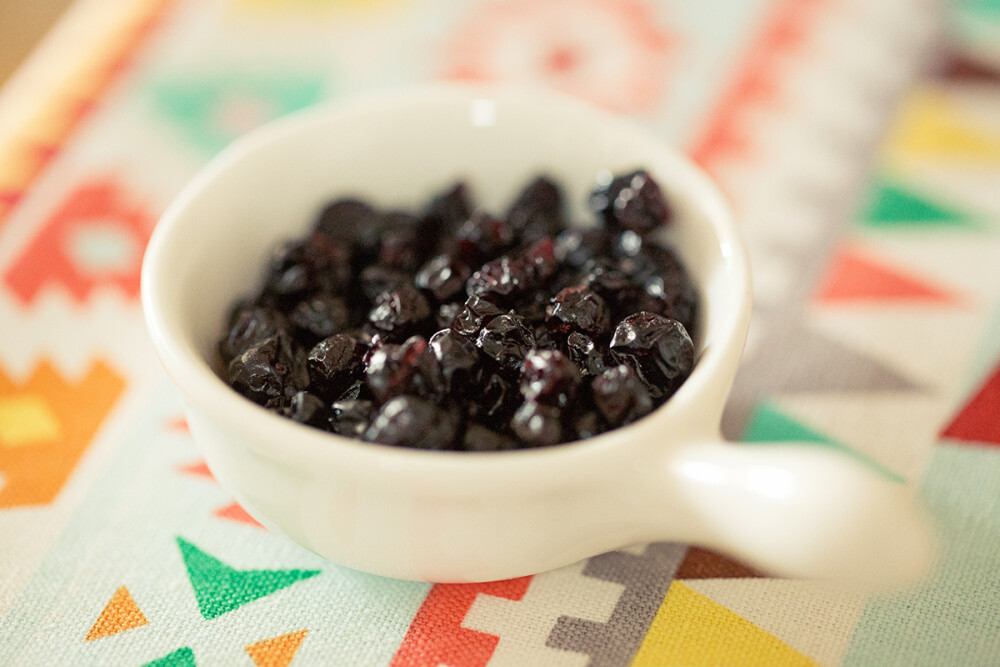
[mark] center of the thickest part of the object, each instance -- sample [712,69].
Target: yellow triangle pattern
[930,126]
[26,419]
[691,630]
[121,613]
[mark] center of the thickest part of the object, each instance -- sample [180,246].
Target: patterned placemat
[868,198]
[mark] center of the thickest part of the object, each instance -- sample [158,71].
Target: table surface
[860,144]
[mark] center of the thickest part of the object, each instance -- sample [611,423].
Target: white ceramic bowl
[453,516]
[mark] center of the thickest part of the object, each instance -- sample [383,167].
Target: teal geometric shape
[214,109]
[220,588]
[953,617]
[182,657]
[892,205]
[989,7]
[769,425]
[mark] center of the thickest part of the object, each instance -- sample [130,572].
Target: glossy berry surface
[411,421]
[453,327]
[657,348]
[620,396]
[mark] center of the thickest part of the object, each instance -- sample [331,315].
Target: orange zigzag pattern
[46,425]
[756,82]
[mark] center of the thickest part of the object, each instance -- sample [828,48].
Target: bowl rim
[199,384]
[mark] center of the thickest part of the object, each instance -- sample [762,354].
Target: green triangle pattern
[182,657]
[769,425]
[220,588]
[891,205]
[197,105]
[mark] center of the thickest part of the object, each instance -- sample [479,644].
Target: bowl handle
[801,511]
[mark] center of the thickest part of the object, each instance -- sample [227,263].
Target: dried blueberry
[620,396]
[506,340]
[631,202]
[334,364]
[500,399]
[475,314]
[657,348]
[411,421]
[401,245]
[549,377]
[537,425]
[498,279]
[483,236]
[448,210]
[400,313]
[249,325]
[306,408]
[345,218]
[376,279]
[539,260]
[479,438]
[444,277]
[319,317]
[458,358]
[579,309]
[351,417]
[574,247]
[585,354]
[410,368]
[266,370]
[537,211]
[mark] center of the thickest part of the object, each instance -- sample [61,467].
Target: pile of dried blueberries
[455,329]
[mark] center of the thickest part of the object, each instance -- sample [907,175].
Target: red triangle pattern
[234,512]
[855,276]
[979,421]
[198,468]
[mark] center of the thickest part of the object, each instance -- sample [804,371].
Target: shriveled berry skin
[499,279]
[411,421]
[479,438]
[334,364]
[459,360]
[266,370]
[631,202]
[410,368]
[506,340]
[400,313]
[443,277]
[579,309]
[549,377]
[306,408]
[476,314]
[351,417]
[537,425]
[457,328]
[319,317]
[249,325]
[582,351]
[657,348]
[620,396]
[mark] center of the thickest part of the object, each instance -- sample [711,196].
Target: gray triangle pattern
[797,359]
